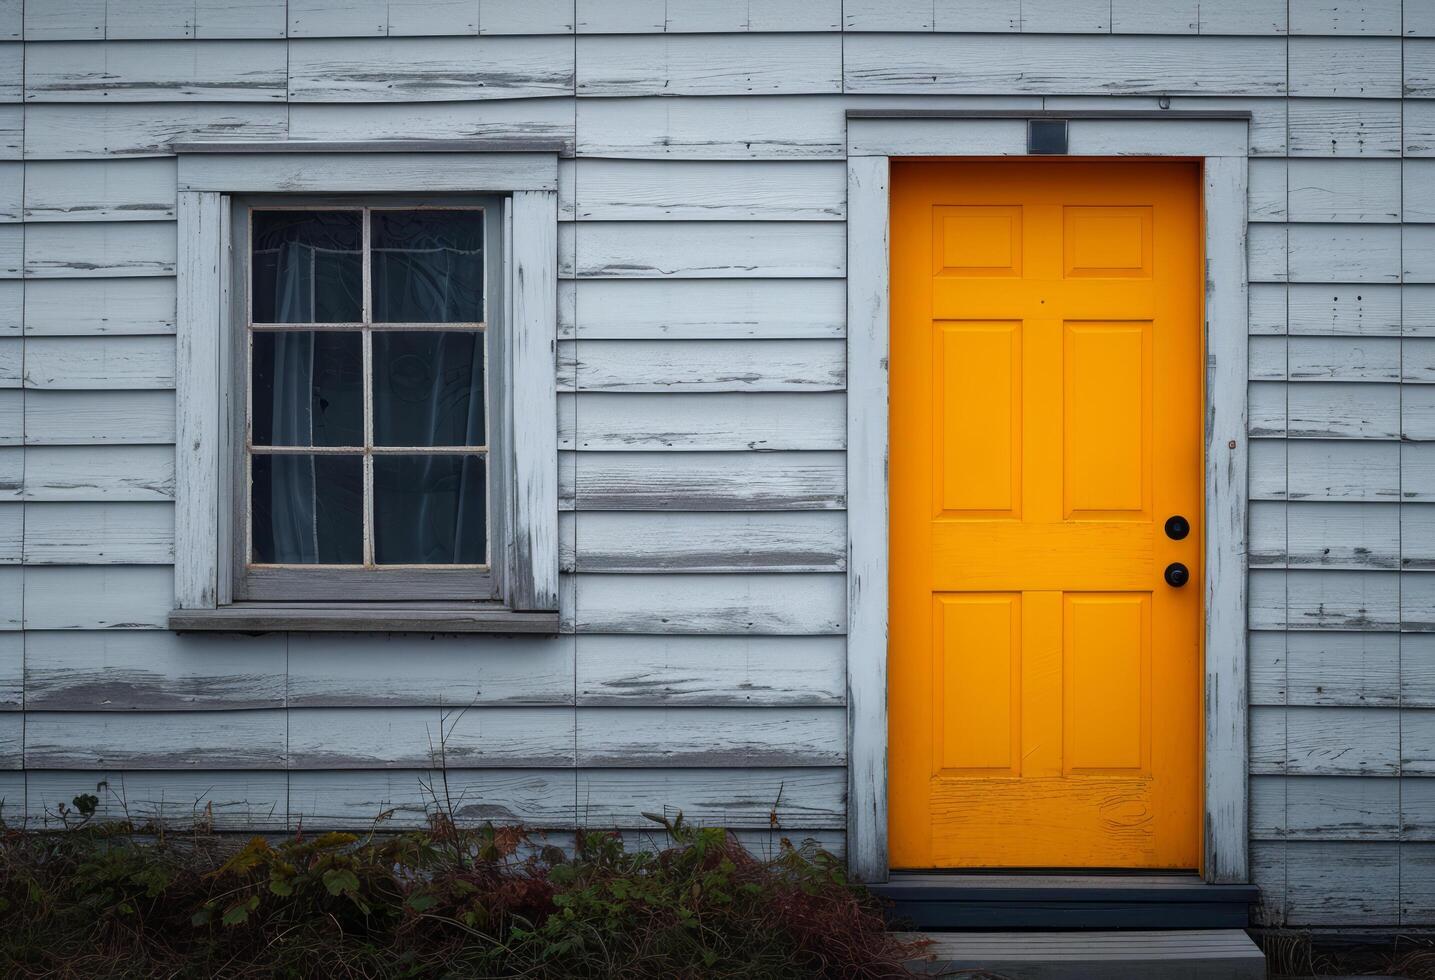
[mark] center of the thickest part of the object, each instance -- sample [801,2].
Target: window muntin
[366,441]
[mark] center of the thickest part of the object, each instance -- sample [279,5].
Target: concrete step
[1185,954]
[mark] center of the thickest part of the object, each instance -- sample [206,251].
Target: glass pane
[308,266]
[430,510]
[427,266]
[428,388]
[308,388]
[307,510]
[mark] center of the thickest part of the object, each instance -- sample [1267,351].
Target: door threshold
[1064,900]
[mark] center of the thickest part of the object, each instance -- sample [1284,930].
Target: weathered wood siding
[702,410]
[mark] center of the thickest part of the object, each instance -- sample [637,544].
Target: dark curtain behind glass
[428,386]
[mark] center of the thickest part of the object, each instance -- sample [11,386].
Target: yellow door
[1046,405]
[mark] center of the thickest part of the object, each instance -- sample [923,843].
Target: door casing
[1219,141]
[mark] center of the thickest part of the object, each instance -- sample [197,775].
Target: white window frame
[211,176]
[1219,140]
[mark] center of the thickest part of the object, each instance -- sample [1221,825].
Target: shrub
[106,900]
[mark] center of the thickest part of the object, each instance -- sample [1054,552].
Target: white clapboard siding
[115,597]
[59,418]
[711,737]
[1266,190]
[325,18]
[1363,17]
[1325,600]
[99,473]
[253,801]
[12,740]
[12,185]
[12,306]
[12,671]
[99,534]
[1419,316]
[951,64]
[1417,602]
[401,799]
[1417,252]
[1345,67]
[11,131]
[1419,180]
[1344,190]
[99,362]
[1339,883]
[252,739]
[1325,535]
[11,418]
[413,670]
[1325,359]
[710,670]
[702,422]
[1325,808]
[1417,537]
[156,71]
[80,307]
[1326,741]
[1417,412]
[1344,310]
[132,248]
[706,16]
[12,250]
[707,250]
[153,671]
[627,190]
[73,132]
[709,64]
[95,19]
[735,604]
[814,541]
[1417,742]
[772,128]
[766,798]
[430,69]
[1328,470]
[1334,410]
[409,738]
[509,119]
[1342,253]
[1417,471]
[709,481]
[1267,308]
[734,309]
[99,190]
[11,532]
[1345,128]
[704,365]
[1419,65]
[1326,668]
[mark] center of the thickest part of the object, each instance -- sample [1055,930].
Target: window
[366,405]
[365,466]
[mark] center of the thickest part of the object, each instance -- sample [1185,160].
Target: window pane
[428,388]
[308,388]
[427,266]
[430,510]
[308,266]
[308,509]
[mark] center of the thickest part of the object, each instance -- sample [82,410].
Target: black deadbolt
[1177,574]
[1177,527]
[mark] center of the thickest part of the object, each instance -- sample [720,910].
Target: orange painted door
[1046,405]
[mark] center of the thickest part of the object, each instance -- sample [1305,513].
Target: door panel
[1045,421]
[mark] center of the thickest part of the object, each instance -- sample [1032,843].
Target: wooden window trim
[1220,142]
[211,177]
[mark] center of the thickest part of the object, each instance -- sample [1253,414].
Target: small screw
[1231,444]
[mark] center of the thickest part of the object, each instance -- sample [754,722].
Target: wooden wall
[702,414]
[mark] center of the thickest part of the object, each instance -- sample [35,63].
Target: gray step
[970,900]
[1185,954]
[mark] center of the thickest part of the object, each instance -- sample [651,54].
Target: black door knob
[1177,574]
[1177,527]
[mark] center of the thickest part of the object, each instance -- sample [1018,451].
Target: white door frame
[1220,141]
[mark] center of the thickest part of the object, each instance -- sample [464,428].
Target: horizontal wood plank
[702,422]
[192,740]
[629,190]
[1325,808]
[1325,535]
[417,670]
[116,597]
[235,800]
[136,248]
[99,190]
[84,307]
[704,365]
[708,250]
[1344,190]
[83,418]
[733,604]
[1326,668]
[98,473]
[1345,128]
[172,70]
[99,533]
[88,131]
[812,541]
[430,69]
[648,309]
[707,481]
[506,119]
[1324,600]
[409,738]
[777,800]
[1325,741]
[710,670]
[401,799]
[709,64]
[1345,67]
[152,671]
[711,737]
[706,16]
[99,363]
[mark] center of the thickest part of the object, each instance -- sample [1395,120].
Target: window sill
[375,617]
